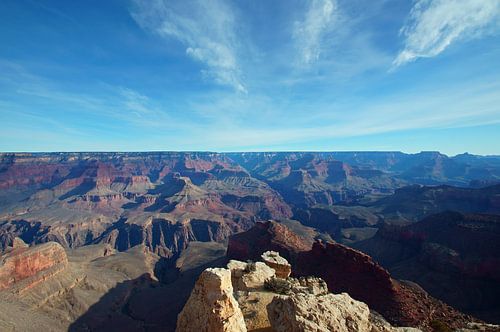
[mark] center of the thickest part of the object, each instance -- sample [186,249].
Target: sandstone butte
[24,267]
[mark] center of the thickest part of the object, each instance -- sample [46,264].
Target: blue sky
[250,75]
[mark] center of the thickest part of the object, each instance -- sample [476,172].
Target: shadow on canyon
[144,304]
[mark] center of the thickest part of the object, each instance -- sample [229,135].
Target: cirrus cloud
[309,32]
[206,28]
[433,25]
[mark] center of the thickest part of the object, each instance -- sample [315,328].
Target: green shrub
[439,326]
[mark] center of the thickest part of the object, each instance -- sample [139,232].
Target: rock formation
[212,306]
[264,301]
[271,236]
[350,271]
[307,312]
[249,276]
[454,256]
[30,266]
[278,263]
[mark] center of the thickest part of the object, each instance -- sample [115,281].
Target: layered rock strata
[30,266]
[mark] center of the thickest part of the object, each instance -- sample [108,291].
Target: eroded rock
[279,264]
[31,265]
[249,276]
[303,312]
[212,306]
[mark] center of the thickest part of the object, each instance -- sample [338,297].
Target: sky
[250,75]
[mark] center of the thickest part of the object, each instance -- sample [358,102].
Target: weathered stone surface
[279,264]
[346,270]
[309,285]
[18,243]
[253,305]
[212,306]
[249,276]
[303,312]
[31,265]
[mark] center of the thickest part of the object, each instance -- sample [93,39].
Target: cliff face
[25,267]
[163,200]
[454,256]
[348,270]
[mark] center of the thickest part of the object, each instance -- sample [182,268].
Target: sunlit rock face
[212,306]
[30,266]
[346,270]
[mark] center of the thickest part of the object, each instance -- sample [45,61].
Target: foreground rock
[249,276]
[212,306]
[307,312]
[263,301]
[279,264]
[346,270]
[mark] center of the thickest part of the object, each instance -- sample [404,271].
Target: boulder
[302,312]
[306,305]
[279,264]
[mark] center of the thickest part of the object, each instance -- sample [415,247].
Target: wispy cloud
[433,25]
[309,32]
[430,109]
[135,102]
[206,28]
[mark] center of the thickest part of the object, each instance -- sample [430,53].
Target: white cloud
[435,24]
[206,28]
[430,109]
[309,33]
[135,102]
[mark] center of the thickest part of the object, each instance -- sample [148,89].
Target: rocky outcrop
[212,306]
[24,267]
[249,276]
[268,302]
[278,263]
[347,270]
[307,312]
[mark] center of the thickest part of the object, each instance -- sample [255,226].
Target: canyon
[412,236]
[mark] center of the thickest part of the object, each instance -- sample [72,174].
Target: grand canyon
[250,166]
[117,241]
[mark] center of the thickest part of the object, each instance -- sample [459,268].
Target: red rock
[263,237]
[347,270]
[31,265]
